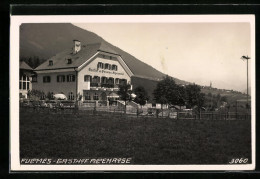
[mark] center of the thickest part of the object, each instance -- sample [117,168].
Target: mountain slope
[47,39]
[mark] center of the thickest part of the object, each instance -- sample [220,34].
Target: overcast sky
[195,52]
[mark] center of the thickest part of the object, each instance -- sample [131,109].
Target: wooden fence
[154,113]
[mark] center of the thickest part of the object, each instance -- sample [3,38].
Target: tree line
[168,93]
[33,62]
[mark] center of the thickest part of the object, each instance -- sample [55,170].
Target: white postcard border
[16,21]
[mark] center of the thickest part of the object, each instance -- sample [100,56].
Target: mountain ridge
[47,39]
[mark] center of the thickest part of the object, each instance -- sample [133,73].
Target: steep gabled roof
[24,66]
[105,48]
[87,51]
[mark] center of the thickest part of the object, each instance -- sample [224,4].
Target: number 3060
[238,160]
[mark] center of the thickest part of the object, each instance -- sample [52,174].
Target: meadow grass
[145,140]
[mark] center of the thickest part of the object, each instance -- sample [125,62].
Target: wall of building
[91,69]
[54,86]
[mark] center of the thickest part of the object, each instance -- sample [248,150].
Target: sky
[194,52]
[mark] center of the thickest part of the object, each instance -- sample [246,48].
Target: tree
[194,96]
[180,96]
[33,62]
[141,95]
[223,99]
[124,92]
[166,92]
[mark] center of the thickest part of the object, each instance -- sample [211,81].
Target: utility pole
[246,58]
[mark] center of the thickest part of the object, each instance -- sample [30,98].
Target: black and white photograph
[142,93]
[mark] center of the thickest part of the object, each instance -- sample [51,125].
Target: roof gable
[105,48]
[119,59]
[24,66]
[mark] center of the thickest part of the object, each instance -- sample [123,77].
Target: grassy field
[146,141]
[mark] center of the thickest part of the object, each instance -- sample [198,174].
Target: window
[96,79]
[106,65]
[50,62]
[88,78]
[61,78]
[96,97]
[100,65]
[122,81]
[110,58]
[109,67]
[71,96]
[87,96]
[114,67]
[24,82]
[117,81]
[69,61]
[27,85]
[46,79]
[34,78]
[103,80]
[70,78]
[110,81]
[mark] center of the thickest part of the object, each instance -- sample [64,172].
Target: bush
[36,95]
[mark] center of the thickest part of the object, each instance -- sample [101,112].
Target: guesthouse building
[89,72]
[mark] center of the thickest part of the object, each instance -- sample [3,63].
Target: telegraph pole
[246,58]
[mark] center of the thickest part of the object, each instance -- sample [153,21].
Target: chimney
[77,46]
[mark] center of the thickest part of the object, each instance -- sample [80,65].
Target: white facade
[94,80]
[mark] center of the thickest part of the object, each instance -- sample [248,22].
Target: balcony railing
[104,85]
[107,85]
[93,84]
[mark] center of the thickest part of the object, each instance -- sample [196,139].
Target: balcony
[103,86]
[107,85]
[93,84]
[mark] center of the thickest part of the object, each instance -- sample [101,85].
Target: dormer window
[69,61]
[50,62]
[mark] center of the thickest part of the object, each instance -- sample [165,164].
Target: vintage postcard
[132,93]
